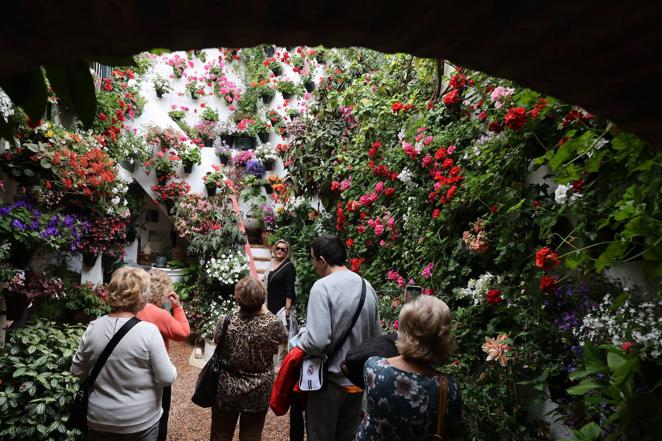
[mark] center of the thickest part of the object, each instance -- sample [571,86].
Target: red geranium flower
[493,296]
[548,284]
[546,259]
[452,97]
[515,118]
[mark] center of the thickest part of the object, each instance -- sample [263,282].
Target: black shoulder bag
[314,370]
[78,412]
[207,385]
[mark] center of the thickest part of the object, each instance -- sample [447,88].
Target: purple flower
[4,211]
[34,225]
[48,232]
[18,225]
[53,222]
[36,213]
[69,220]
[255,167]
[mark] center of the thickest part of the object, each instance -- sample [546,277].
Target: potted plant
[293,114]
[161,86]
[227,130]
[262,128]
[228,268]
[288,89]
[194,88]
[265,91]
[254,167]
[267,156]
[224,154]
[215,180]
[209,114]
[245,134]
[273,65]
[178,65]
[309,83]
[177,115]
[320,56]
[130,149]
[164,163]
[207,130]
[170,192]
[269,50]
[190,155]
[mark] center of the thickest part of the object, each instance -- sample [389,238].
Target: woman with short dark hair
[247,373]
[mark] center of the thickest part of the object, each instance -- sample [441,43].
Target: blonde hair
[289,248]
[127,289]
[160,286]
[250,294]
[424,331]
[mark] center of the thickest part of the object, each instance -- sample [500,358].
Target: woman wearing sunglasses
[280,279]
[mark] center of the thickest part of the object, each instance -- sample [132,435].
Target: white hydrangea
[6,107]
[228,269]
[561,194]
[637,321]
[405,175]
[477,289]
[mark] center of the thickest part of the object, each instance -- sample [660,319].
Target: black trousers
[297,425]
[165,404]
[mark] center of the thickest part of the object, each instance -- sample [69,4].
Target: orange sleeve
[173,328]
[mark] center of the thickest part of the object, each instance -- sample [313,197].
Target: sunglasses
[284,250]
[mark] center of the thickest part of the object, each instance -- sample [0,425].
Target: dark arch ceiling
[601,55]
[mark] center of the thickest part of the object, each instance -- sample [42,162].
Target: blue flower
[53,222]
[69,220]
[4,211]
[36,213]
[255,167]
[34,225]
[48,232]
[18,225]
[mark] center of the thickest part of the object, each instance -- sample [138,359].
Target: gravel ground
[189,422]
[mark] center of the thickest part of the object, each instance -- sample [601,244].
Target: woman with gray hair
[403,391]
[125,399]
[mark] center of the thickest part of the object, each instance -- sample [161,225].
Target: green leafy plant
[289,88]
[37,388]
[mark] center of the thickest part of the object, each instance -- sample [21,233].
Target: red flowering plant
[178,65]
[33,285]
[194,87]
[197,215]
[170,192]
[105,235]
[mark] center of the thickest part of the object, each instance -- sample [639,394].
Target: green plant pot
[263,136]
[244,142]
[194,95]
[169,206]
[269,164]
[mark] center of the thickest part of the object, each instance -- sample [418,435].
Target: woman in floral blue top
[403,391]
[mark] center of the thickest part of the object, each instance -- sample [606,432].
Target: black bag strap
[109,349]
[354,319]
[224,329]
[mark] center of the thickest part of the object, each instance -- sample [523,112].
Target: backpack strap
[354,319]
[109,349]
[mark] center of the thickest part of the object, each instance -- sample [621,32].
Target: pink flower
[395,324]
[392,275]
[379,187]
[427,271]
[450,149]
[379,229]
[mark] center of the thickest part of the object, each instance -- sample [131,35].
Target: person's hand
[174,298]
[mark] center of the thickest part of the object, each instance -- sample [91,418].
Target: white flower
[561,194]
[405,175]
[131,82]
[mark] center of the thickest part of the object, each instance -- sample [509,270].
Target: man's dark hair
[332,248]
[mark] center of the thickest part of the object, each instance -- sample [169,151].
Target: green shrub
[36,388]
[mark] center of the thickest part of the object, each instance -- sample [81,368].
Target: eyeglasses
[284,250]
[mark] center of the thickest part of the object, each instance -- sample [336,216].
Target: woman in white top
[125,402]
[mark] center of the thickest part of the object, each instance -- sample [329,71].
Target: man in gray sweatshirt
[334,413]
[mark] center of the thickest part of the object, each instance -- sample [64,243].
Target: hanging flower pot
[161,179]
[227,139]
[276,69]
[128,166]
[159,94]
[169,206]
[320,58]
[269,164]
[211,189]
[269,51]
[286,95]
[224,160]
[245,142]
[89,259]
[268,188]
[266,98]
[309,86]
[194,95]
[264,137]
[209,142]
[188,166]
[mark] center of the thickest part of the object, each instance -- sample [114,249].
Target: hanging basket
[227,139]
[89,259]
[188,166]
[269,51]
[244,142]
[159,94]
[194,95]
[276,69]
[268,188]
[264,137]
[128,166]
[286,95]
[211,189]
[169,206]
[224,160]
[269,164]
[266,99]
[209,142]
[309,86]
